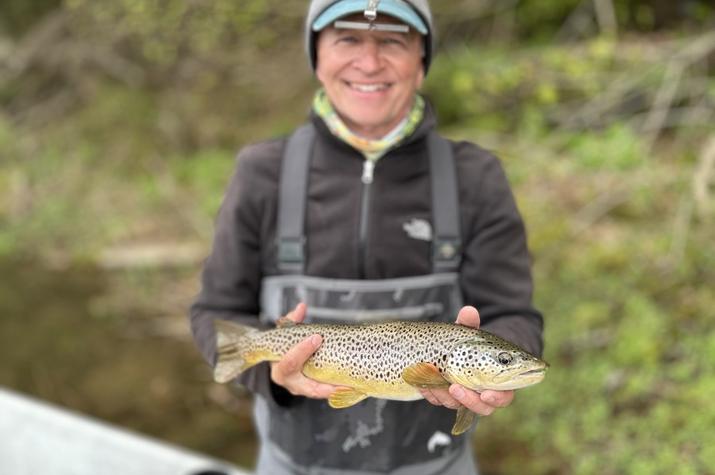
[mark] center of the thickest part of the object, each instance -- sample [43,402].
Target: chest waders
[374,436]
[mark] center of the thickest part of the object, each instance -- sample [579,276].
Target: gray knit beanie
[319,6]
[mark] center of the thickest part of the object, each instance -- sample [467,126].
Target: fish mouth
[507,380]
[536,370]
[527,373]
[533,372]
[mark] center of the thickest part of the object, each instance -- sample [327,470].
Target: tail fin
[231,343]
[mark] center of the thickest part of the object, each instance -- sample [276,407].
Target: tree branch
[704,179]
[694,51]
[606,17]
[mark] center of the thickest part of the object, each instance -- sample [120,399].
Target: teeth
[369,87]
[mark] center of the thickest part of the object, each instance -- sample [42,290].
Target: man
[366,212]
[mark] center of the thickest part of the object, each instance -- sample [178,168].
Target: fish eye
[505,358]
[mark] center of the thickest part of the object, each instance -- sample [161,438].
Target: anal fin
[424,375]
[345,397]
[464,421]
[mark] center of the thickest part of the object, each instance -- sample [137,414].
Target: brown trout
[390,360]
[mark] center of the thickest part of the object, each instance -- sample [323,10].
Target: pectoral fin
[345,397]
[465,419]
[424,375]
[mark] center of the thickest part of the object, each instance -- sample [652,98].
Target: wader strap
[446,243]
[292,199]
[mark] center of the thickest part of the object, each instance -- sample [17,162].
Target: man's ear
[421,77]
[316,46]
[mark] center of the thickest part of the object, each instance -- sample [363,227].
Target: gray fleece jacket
[494,274]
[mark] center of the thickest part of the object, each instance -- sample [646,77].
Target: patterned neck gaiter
[372,149]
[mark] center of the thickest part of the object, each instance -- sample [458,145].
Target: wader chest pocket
[434,297]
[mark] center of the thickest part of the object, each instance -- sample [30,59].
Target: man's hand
[288,372]
[483,404]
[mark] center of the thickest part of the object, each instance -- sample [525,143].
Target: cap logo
[371,10]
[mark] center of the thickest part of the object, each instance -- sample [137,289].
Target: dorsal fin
[285,322]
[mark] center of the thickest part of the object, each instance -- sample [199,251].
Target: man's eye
[348,39]
[392,42]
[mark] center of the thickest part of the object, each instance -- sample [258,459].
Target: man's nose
[369,60]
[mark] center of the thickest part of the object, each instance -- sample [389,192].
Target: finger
[427,394]
[314,389]
[497,398]
[298,313]
[295,358]
[471,400]
[446,399]
[301,385]
[468,316]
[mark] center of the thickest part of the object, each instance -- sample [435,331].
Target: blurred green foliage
[163,31]
[629,331]
[120,124]
[208,23]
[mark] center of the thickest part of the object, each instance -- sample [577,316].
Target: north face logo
[438,439]
[418,229]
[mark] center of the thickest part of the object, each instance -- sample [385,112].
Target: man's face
[370,77]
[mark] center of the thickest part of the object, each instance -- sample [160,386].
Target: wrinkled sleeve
[231,277]
[496,269]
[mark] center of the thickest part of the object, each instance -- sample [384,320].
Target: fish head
[488,362]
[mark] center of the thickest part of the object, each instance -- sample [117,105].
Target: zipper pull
[368,169]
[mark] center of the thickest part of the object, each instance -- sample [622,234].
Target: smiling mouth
[376,87]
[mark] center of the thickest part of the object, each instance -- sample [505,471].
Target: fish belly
[394,390]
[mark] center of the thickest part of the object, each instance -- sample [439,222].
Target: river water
[115,345]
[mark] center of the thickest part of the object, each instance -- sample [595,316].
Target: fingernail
[315,340]
[458,392]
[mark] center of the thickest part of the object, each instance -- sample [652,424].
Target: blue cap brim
[400,10]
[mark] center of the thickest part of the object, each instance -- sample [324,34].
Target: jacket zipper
[368,171]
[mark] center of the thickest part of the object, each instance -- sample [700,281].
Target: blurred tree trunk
[18,16]
[659,14]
